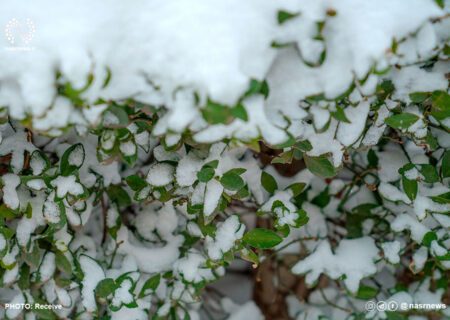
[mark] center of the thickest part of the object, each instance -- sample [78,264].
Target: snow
[51,210]
[76,157]
[193,268]
[111,217]
[10,197]
[16,144]
[65,185]
[226,235]
[437,250]
[47,267]
[3,242]
[420,258]
[375,132]
[391,251]
[37,164]
[354,258]
[406,222]
[93,274]
[160,174]
[36,184]
[248,310]
[13,313]
[412,78]
[122,294]
[348,133]
[128,148]
[392,193]
[149,259]
[213,193]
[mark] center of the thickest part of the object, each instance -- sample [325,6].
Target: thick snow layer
[227,233]
[93,274]
[354,258]
[149,259]
[169,52]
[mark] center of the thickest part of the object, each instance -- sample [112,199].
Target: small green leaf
[285,157]
[283,16]
[410,188]
[419,97]
[441,100]
[6,212]
[339,114]
[72,159]
[105,287]
[402,121]
[232,181]
[257,87]
[150,284]
[135,182]
[372,158]
[320,166]
[429,237]
[268,182]
[118,195]
[205,174]
[63,263]
[297,188]
[442,198]
[239,112]
[288,143]
[215,113]
[262,238]
[304,146]
[429,172]
[366,292]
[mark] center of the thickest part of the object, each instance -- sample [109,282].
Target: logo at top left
[25,32]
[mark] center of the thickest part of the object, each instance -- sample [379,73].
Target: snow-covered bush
[146,145]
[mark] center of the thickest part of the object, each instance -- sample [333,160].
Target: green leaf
[372,159]
[215,113]
[72,159]
[339,114]
[6,212]
[262,238]
[63,263]
[410,188]
[135,182]
[150,284]
[442,198]
[288,143]
[402,121]
[257,87]
[283,16]
[239,112]
[296,188]
[320,166]
[105,287]
[441,100]
[366,292]
[232,181]
[304,146]
[118,195]
[419,97]
[285,157]
[205,174]
[445,168]
[429,237]
[268,182]
[429,172]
